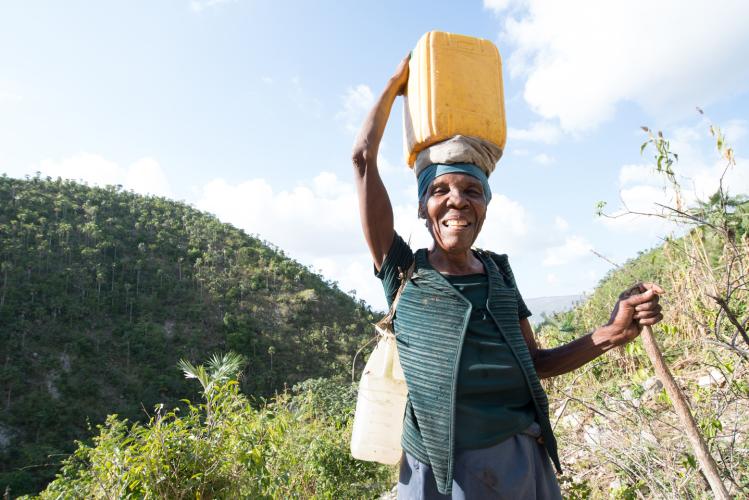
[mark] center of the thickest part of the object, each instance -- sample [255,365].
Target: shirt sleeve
[504,265]
[523,311]
[398,260]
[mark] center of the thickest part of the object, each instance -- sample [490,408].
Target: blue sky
[248,109]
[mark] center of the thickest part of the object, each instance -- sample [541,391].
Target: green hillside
[102,291]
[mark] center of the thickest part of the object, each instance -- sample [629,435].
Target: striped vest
[430,324]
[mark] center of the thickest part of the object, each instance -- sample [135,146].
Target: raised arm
[635,308]
[374,204]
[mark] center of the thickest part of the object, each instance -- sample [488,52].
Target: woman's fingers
[650,321]
[653,286]
[647,310]
[648,306]
[648,313]
[401,74]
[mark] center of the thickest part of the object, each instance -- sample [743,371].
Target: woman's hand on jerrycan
[637,307]
[400,77]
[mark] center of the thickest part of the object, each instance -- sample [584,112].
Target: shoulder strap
[384,326]
[386,321]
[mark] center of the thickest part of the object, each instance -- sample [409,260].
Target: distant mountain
[547,306]
[102,291]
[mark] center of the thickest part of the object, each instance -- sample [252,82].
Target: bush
[294,446]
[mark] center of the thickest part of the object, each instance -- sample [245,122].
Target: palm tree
[219,370]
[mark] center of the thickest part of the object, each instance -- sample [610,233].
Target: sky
[248,109]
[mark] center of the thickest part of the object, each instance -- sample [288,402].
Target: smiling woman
[476,423]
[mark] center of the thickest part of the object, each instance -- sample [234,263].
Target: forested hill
[102,291]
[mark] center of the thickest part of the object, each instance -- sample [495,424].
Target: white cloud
[560,223]
[507,228]
[499,5]
[638,174]
[581,58]
[267,80]
[356,103]
[353,272]
[707,180]
[201,5]
[545,132]
[543,159]
[311,220]
[735,130]
[552,279]
[636,200]
[574,248]
[144,176]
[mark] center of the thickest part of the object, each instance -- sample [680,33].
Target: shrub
[297,445]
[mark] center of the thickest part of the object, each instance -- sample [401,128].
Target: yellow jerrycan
[378,421]
[454,87]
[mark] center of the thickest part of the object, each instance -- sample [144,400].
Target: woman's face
[455,211]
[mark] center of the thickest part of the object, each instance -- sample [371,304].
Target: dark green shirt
[492,400]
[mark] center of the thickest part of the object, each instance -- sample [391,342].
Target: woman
[476,421]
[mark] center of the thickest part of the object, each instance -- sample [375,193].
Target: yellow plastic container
[378,421]
[454,87]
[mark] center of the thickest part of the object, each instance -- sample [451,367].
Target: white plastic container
[378,421]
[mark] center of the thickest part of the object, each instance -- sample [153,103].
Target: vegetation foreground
[225,447]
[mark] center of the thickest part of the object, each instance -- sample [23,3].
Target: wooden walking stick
[707,464]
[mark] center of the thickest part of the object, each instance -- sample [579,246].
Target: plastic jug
[378,421]
[454,87]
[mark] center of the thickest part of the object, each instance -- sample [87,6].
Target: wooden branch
[707,464]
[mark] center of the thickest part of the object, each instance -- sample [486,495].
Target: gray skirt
[518,468]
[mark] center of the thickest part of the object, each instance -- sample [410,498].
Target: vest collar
[424,269]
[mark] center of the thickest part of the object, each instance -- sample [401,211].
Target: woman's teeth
[455,222]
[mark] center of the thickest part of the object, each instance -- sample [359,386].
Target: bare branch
[731,316]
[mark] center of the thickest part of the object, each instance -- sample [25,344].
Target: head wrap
[436,169]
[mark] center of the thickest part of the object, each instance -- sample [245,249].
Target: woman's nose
[457,198]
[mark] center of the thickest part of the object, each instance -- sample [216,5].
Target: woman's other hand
[637,307]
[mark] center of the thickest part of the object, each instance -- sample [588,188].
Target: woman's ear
[422,211]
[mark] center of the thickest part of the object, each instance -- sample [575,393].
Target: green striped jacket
[430,324]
